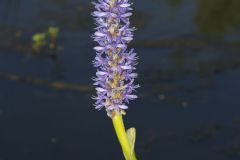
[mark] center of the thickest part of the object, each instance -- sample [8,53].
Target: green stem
[122,136]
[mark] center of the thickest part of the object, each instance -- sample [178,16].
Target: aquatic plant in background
[38,41]
[42,39]
[115,64]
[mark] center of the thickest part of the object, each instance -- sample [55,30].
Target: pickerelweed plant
[115,65]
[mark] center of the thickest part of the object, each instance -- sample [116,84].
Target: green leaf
[39,37]
[131,134]
[53,31]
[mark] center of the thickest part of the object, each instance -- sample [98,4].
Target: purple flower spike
[115,75]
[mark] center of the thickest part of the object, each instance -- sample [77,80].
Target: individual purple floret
[115,75]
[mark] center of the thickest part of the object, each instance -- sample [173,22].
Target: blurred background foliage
[218,17]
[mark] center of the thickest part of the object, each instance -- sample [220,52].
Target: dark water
[189,71]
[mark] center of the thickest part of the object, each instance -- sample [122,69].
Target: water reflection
[60,2]
[50,83]
[175,3]
[9,10]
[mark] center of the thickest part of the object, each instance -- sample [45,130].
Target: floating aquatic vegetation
[39,41]
[47,39]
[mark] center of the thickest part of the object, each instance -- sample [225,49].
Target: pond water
[189,72]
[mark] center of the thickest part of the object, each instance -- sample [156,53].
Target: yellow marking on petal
[115,57]
[112,3]
[117,95]
[116,79]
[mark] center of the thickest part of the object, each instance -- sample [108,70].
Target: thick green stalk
[122,137]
